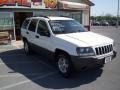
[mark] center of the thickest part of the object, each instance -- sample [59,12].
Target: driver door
[43,38]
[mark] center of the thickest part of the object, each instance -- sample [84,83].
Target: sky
[103,7]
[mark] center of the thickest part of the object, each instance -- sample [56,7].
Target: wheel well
[58,51]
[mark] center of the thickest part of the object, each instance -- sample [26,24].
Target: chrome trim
[103,49]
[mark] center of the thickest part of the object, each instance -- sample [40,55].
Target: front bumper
[80,63]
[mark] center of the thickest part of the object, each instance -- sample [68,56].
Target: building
[13,12]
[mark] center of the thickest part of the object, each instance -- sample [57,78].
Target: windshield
[66,26]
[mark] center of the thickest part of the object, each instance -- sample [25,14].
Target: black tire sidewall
[69,70]
[27,52]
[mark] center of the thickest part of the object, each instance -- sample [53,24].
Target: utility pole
[117,24]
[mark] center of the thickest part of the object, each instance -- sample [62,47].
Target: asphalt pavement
[35,72]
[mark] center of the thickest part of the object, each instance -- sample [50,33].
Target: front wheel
[64,65]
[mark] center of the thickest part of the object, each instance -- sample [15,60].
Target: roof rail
[63,16]
[41,16]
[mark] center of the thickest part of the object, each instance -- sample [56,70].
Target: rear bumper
[85,63]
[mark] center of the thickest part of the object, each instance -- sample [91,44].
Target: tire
[27,48]
[64,65]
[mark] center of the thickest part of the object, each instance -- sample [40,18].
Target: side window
[32,25]
[25,24]
[42,28]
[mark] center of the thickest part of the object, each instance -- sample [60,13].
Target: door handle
[27,32]
[37,36]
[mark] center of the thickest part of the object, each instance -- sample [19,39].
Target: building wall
[81,15]
[85,13]
[77,15]
[85,18]
[78,1]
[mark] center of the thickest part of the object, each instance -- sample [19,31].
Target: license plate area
[108,59]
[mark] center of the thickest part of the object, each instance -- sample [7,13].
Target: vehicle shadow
[18,62]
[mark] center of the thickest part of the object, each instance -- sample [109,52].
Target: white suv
[67,42]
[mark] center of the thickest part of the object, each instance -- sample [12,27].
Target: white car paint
[69,42]
[85,39]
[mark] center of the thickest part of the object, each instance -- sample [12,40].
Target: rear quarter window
[25,24]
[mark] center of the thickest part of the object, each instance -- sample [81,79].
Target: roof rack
[63,16]
[42,16]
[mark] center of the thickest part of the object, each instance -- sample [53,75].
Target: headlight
[85,51]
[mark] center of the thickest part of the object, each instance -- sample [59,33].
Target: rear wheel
[64,65]
[27,48]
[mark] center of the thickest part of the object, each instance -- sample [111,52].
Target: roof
[73,5]
[52,18]
[59,18]
[89,2]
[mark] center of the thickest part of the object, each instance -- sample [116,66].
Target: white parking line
[19,75]
[42,62]
[28,62]
[27,81]
[13,55]
[19,63]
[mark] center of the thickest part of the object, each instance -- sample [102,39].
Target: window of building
[6,21]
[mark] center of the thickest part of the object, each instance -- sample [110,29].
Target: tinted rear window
[25,23]
[32,25]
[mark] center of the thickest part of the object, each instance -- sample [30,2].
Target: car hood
[85,39]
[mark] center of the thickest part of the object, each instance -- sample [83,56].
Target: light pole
[117,24]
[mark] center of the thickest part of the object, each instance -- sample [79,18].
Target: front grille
[104,49]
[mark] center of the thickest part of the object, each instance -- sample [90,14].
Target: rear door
[31,30]
[25,27]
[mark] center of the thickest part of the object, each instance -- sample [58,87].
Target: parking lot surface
[35,72]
